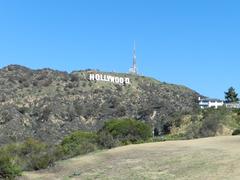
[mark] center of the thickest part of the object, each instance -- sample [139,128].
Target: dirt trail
[209,158]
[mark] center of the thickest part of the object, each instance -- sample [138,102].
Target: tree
[231,95]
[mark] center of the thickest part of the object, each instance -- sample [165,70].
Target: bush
[236,132]
[105,139]
[212,121]
[193,130]
[31,155]
[35,154]
[156,132]
[126,130]
[74,77]
[79,143]
[8,167]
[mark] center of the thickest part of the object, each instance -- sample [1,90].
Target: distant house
[208,103]
[233,105]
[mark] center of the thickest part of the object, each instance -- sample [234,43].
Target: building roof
[211,99]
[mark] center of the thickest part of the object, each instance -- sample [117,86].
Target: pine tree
[231,95]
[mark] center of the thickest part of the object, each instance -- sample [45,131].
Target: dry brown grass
[209,158]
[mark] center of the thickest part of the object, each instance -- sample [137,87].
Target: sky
[192,43]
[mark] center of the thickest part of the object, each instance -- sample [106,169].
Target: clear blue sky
[195,43]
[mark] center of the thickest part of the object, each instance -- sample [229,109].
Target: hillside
[48,104]
[209,158]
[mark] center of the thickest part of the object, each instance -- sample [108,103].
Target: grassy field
[209,158]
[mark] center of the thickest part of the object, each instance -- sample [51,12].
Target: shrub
[74,77]
[127,130]
[29,155]
[79,143]
[105,139]
[167,127]
[40,161]
[47,82]
[35,154]
[8,167]
[211,122]
[193,129]
[22,110]
[35,83]
[236,132]
[156,132]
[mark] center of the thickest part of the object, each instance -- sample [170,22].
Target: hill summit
[47,104]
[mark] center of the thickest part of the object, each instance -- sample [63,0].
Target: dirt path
[210,158]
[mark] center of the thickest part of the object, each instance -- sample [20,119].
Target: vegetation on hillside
[205,123]
[34,155]
[125,131]
[30,155]
[78,143]
[47,104]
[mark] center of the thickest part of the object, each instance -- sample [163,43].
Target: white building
[208,103]
[233,105]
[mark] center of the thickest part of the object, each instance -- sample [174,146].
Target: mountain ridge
[48,104]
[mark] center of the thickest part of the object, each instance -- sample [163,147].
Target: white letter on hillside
[121,80]
[112,79]
[116,79]
[91,77]
[97,76]
[127,80]
[108,78]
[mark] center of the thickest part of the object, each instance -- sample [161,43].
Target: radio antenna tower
[133,69]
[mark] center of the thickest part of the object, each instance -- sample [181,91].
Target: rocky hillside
[48,104]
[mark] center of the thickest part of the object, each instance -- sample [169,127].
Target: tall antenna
[133,69]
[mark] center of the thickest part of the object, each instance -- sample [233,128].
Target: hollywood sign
[109,78]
